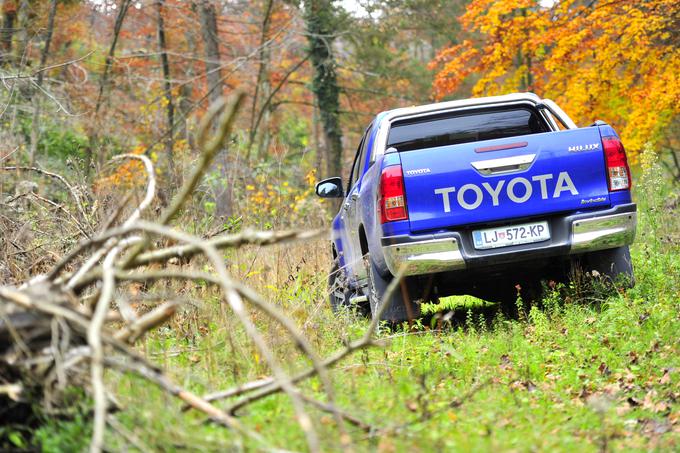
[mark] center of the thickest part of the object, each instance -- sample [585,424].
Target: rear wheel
[614,266]
[337,288]
[339,292]
[401,306]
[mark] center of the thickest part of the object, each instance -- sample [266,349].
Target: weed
[583,369]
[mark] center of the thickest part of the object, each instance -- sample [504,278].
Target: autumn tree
[612,60]
[321,32]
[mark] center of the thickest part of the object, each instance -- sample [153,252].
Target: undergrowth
[567,374]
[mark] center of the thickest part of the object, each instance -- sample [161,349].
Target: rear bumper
[454,250]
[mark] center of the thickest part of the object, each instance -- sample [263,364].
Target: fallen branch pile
[67,325]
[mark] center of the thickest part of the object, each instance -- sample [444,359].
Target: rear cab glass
[452,128]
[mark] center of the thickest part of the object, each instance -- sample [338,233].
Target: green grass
[572,375]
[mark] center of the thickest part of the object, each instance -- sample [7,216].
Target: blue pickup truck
[476,197]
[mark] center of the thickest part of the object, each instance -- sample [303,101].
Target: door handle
[345,206]
[504,164]
[354,196]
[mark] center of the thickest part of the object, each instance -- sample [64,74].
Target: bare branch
[262,305]
[363,343]
[60,178]
[233,240]
[95,342]
[232,297]
[46,68]
[136,214]
[210,148]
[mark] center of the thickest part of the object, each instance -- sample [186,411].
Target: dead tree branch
[86,326]
[69,187]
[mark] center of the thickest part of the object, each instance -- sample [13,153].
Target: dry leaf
[666,378]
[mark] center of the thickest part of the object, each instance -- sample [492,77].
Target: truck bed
[503,179]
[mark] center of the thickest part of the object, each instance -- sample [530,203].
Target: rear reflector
[618,171]
[392,197]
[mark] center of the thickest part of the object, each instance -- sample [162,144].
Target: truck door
[351,213]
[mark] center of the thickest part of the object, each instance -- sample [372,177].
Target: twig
[39,300]
[326,407]
[46,68]
[95,342]
[157,377]
[268,309]
[12,390]
[62,209]
[187,250]
[210,148]
[228,241]
[451,405]
[365,342]
[150,320]
[235,301]
[136,214]
[61,179]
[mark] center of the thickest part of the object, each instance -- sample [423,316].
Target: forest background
[83,81]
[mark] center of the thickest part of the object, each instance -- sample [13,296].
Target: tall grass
[568,375]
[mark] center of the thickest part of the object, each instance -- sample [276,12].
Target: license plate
[527,233]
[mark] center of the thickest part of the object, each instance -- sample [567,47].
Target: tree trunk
[321,29]
[316,142]
[213,69]
[37,95]
[23,20]
[122,11]
[186,90]
[213,62]
[166,162]
[262,82]
[9,15]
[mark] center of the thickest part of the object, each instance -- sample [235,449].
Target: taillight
[392,197]
[618,171]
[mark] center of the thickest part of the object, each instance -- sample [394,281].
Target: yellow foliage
[266,201]
[616,61]
[130,173]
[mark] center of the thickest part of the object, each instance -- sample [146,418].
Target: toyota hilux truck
[479,196]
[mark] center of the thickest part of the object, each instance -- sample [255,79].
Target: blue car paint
[450,167]
[586,168]
[339,234]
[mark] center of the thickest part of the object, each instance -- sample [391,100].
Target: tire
[401,306]
[338,292]
[614,265]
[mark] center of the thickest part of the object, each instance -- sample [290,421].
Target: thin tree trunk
[528,77]
[122,11]
[321,29]
[23,19]
[315,139]
[37,96]
[213,68]
[262,74]
[9,15]
[213,63]
[263,133]
[267,105]
[166,163]
[186,90]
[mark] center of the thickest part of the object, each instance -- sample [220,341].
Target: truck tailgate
[504,179]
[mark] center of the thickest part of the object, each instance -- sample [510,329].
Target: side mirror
[330,188]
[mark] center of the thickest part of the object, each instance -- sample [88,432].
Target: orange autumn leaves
[611,60]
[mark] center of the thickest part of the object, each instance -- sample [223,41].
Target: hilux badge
[588,147]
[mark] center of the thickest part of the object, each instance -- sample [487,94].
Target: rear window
[456,128]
